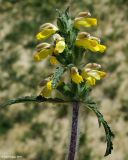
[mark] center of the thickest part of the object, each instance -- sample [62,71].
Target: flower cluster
[67,50]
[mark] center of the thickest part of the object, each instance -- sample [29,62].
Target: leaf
[108,132]
[56,77]
[63,21]
[67,13]
[28,99]
[64,89]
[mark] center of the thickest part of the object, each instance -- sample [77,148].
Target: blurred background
[41,131]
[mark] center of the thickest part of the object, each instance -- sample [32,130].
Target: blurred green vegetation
[6,123]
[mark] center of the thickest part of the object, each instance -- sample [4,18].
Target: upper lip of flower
[48,26]
[93,66]
[84,14]
[83,35]
[41,46]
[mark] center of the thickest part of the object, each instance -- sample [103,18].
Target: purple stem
[73,140]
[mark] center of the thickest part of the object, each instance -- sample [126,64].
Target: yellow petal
[42,54]
[47,89]
[88,44]
[53,60]
[49,85]
[76,78]
[91,81]
[91,44]
[84,74]
[102,48]
[45,92]
[60,46]
[45,34]
[91,21]
[85,22]
[102,74]
[94,74]
[46,30]
[39,36]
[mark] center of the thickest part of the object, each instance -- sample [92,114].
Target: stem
[73,140]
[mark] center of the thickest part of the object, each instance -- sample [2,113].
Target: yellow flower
[59,44]
[53,60]
[47,89]
[49,85]
[84,22]
[76,78]
[91,75]
[43,50]
[91,81]
[46,30]
[91,43]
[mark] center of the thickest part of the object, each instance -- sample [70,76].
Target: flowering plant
[72,77]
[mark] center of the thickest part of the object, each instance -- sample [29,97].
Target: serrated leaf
[108,132]
[64,89]
[67,13]
[56,77]
[63,21]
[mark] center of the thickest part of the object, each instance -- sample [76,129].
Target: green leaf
[67,13]
[65,90]
[56,77]
[108,132]
[28,99]
[64,21]
[85,91]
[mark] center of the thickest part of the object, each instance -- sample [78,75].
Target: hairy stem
[73,140]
